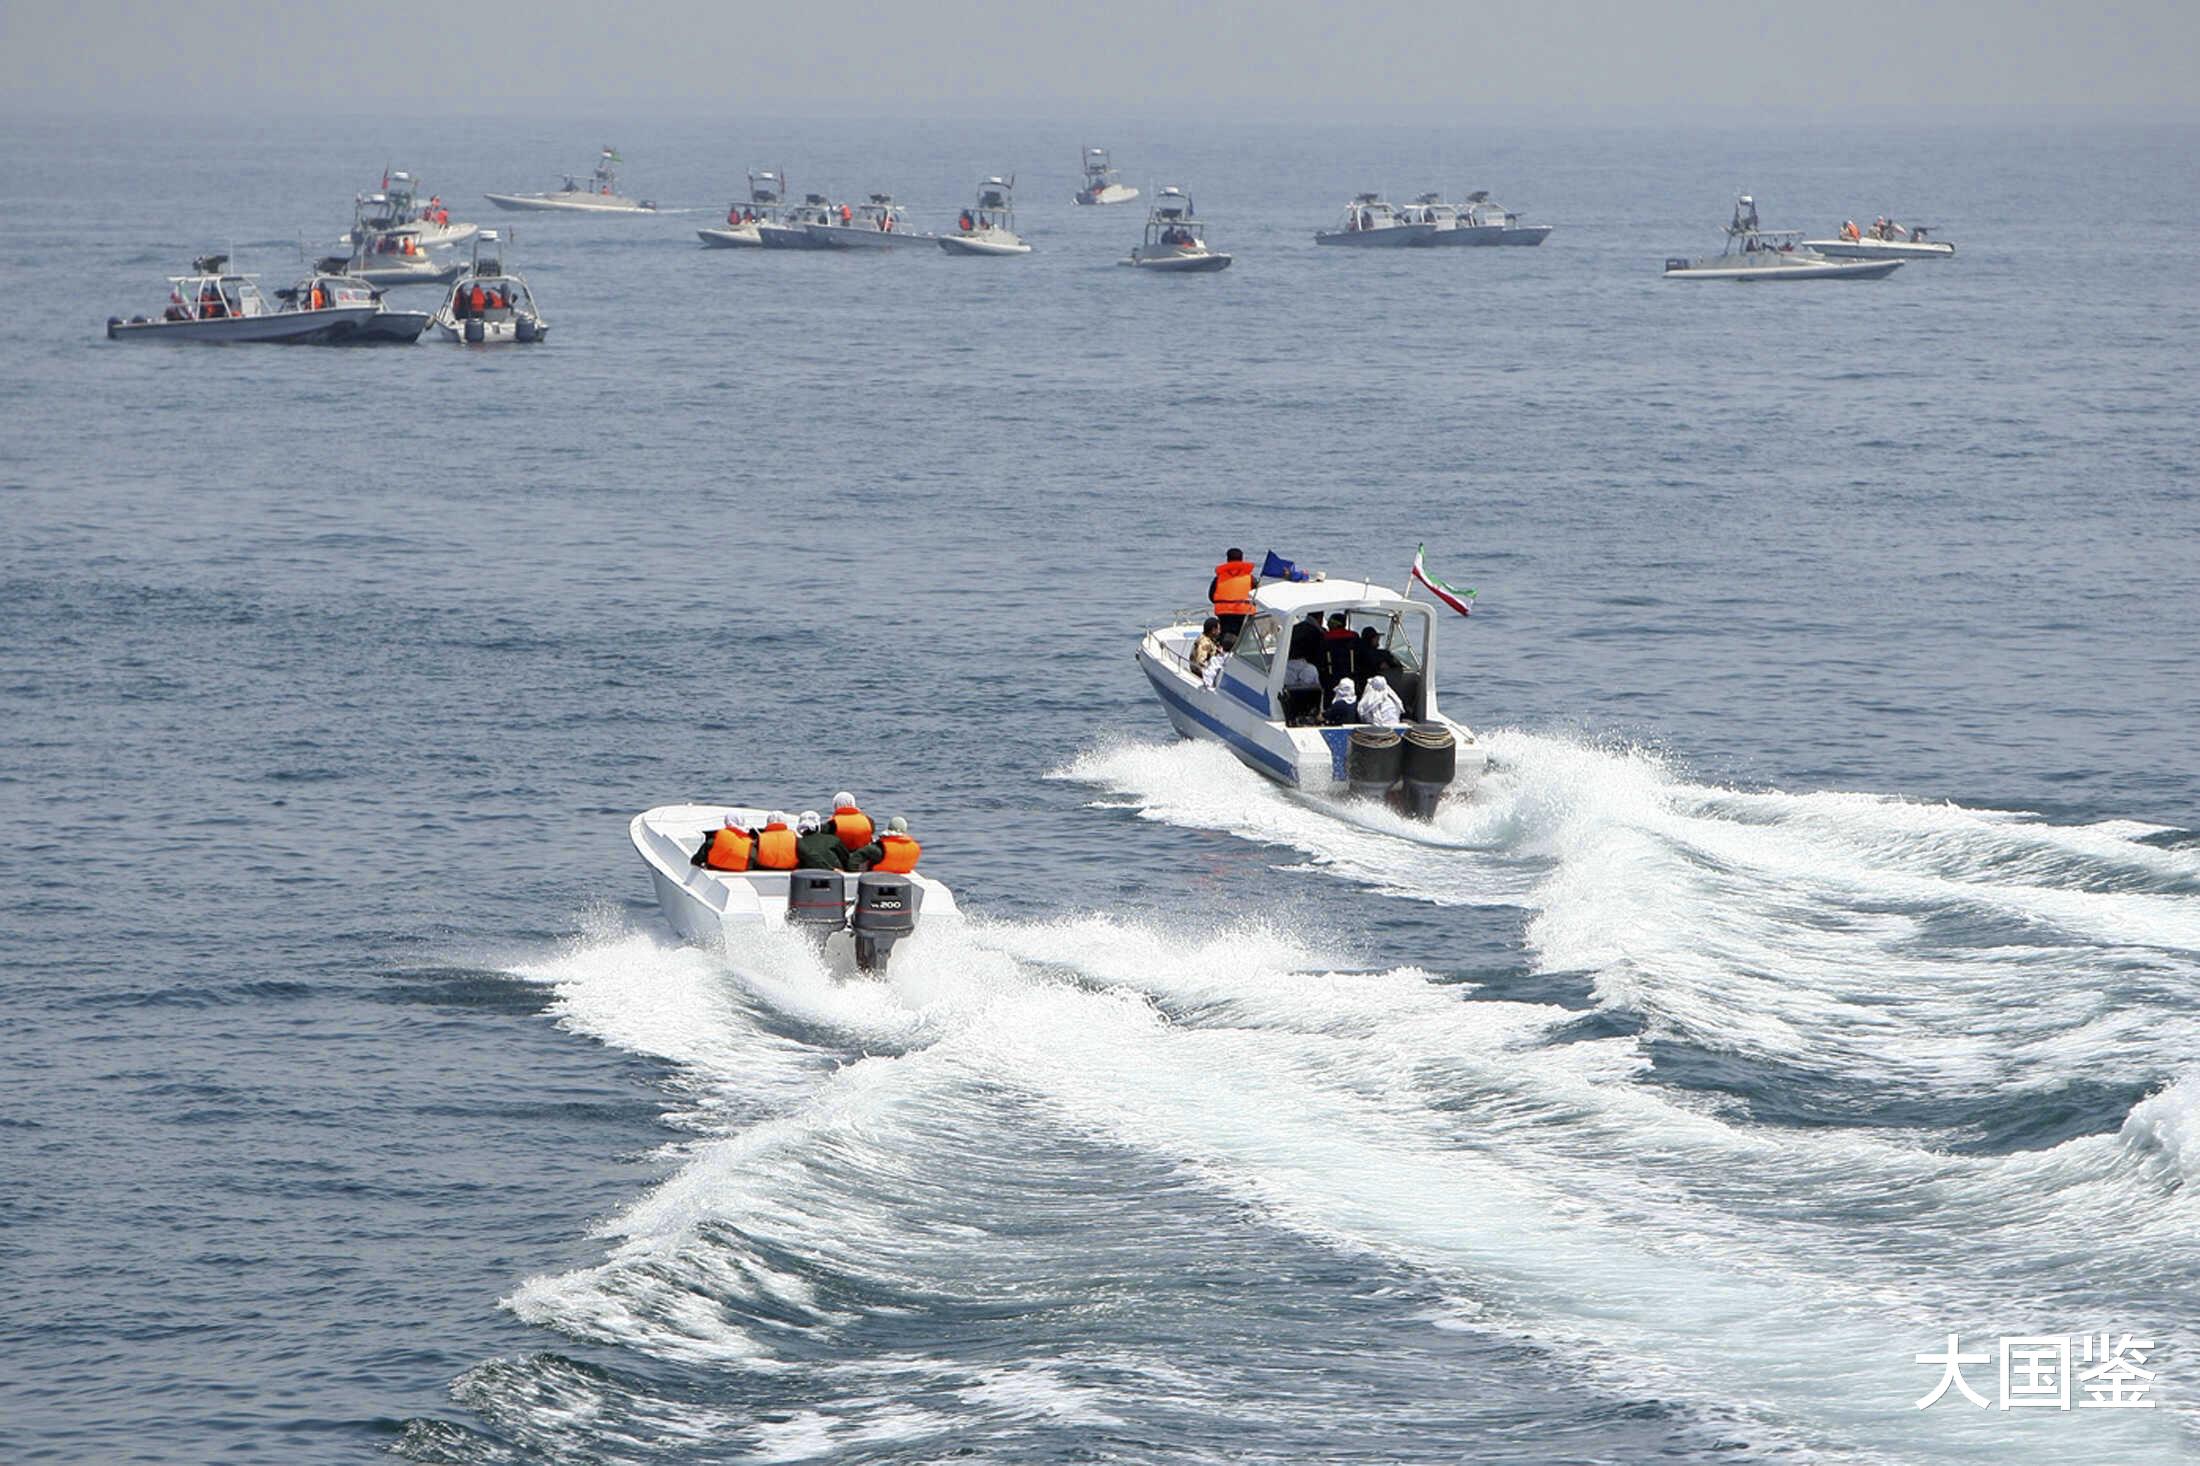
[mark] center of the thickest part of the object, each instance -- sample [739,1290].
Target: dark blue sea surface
[1816,974]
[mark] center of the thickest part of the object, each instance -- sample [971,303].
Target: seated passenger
[1306,639]
[1373,658]
[1302,692]
[775,849]
[1344,704]
[729,848]
[1209,644]
[1380,706]
[816,845]
[1211,674]
[893,852]
[851,824]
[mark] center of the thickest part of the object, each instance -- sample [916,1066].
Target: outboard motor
[886,911]
[1372,760]
[524,329]
[817,898]
[475,331]
[1430,757]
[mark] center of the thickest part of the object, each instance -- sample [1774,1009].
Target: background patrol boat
[1100,185]
[1175,241]
[1245,711]
[1486,222]
[600,195]
[1884,242]
[1369,222]
[708,907]
[877,224]
[398,203]
[989,226]
[767,193]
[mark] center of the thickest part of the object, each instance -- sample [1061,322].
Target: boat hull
[1880,249]
[711,908]
[1312,759]
[296,328]
[433,236]
[1179,262]
[786,236]
[385,328]
[1397,236]
[841,236]
[1794,270]
[1462,236]
[1113,193]
[742,237]
[983,244]
[422,274]
[575,203]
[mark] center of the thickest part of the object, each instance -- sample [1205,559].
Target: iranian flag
[1461,601]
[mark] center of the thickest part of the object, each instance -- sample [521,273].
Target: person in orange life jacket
[851,824]
[775,843]
[893,852]
[1231,591]
[816,846]
[730,848]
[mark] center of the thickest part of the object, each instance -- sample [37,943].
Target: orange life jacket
[775,848]
[1234,588]
[852,825]
[477,299]
[730,850]
[319,299]
[900,857]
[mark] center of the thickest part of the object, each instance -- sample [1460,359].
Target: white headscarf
[1380,706]
[1345,690]
[809,823]
[844,800]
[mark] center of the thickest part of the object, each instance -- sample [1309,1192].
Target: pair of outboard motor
[885,910]
[524,330]
[1408,769]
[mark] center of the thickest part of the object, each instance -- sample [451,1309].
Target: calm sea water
[1818,974]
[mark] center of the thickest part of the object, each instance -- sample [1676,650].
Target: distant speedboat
[396,256]
[744,221]
[1176,242]
[710,907]
[1100,185]
[878,223]
[600,195]
[791,228]
[1371,223]
[1491,223]
[1755,253]
[329,287]
[988,227]
[1884,240]
[214,304]
[397,203]
[490,306]
[1445,225]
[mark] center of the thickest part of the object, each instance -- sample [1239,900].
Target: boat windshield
[1256,648]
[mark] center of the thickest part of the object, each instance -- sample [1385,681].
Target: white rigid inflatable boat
[863,914]
[1248,711]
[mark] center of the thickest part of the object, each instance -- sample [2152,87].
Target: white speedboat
[397,202]
[329,287]
[1446,227]
[600,195]
[1176,241]
[215,304]
[791,229]
[396,256]
[1491,223]
[1101,186]
[1281,734]
[867,913]
[744,221]
[1884,240]
[1754,252]
[878,223]
[987,227]
[1371,223]
[489,306]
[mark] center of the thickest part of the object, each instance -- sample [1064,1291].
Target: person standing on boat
[1231,591]
[1207,647]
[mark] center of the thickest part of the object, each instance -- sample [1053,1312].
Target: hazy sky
[1197,57]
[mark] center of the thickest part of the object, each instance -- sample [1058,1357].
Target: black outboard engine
[817,898]
[1430,759]
[524,328]
[1372,760]
[886,911]
[476,333]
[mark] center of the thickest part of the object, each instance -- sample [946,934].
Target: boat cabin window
[1256,649]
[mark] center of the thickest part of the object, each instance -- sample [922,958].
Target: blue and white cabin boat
[1246,709]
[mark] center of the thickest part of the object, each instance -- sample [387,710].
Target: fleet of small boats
[1755,253]
[1371,223]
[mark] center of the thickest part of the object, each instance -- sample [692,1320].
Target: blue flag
[1275,567]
